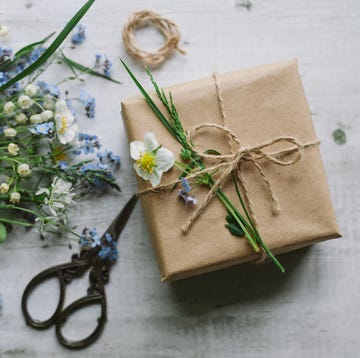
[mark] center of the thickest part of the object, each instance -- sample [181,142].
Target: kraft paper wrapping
[261,103]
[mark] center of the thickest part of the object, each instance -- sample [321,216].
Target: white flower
[13,148]
[10,132]
[47,115]
[4,188]
[31,90]
[15,197]
[58,197]
[48,102]
[21,118]
[61,106]
[36,118]
[4,30]
[25,102]
[24,170]
[65,126]
[150,159]
[9,108]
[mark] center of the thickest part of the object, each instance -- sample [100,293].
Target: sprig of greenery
[73,65]
[236,223]
[52,48]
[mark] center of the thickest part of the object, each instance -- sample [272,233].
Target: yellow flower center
[147,162]
[63,125]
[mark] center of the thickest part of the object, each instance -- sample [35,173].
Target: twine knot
[231,164]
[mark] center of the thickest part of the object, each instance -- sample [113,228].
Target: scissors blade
[121,219]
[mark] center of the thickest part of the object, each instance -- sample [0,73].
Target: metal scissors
[99,266]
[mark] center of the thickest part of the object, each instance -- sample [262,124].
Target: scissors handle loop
[91,299]
[64,273]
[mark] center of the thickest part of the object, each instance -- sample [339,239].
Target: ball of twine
[169,30]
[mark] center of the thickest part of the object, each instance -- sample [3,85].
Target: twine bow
[231,163]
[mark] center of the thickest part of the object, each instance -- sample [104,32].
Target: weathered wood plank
[238,312]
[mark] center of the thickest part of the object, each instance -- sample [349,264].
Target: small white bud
[47,115]
[24,170]
[25,102]
[13,149]
[4,30]
[21,118]
[15,197]
[9,108]
[31,90]
[36,118]
[49,103]
[4,188]
[10,132]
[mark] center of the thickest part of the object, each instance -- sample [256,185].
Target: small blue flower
[43,129]
[4,77]
[89,102]
[35,54]
[5,53]
[79,36]
[185,185]
[48,88]
[107,66]
[63,165]
[90,237]
[103,166]
[185,191]
[109,251]
[1,130]
[107,157]
[97,58]
[87,167]
[89,143]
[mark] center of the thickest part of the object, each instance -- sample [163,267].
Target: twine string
[229,163]
[168,28]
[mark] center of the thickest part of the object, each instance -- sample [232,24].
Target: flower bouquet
[46,164]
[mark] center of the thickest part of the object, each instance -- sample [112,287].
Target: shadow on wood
[241,284]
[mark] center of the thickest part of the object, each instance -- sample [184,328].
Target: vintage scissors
[90,257]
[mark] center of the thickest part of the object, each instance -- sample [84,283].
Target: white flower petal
[136,148]
[141,173]
[164,159]
[150,142]
[61,106]
[155,178]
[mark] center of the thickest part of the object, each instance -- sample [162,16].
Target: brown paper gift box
[261,103]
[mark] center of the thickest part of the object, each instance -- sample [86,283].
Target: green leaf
[52,48]
[29,48]
[3,233]
[24,51]
[151,103]
[82,68]
[233,226]
[16,222]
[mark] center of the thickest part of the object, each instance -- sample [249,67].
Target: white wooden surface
[312,310]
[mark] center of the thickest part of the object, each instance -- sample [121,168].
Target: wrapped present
[262,104]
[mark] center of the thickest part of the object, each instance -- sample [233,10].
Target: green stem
[226,202]
[257,235]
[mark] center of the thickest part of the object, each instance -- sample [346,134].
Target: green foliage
[3,233]
[52,48]
[77,66]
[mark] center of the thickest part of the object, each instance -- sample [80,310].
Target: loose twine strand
[230,163]
[168,28]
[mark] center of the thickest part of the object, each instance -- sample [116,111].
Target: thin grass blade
[52,48]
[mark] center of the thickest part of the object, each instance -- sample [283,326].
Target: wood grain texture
[248,311]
